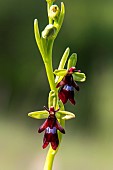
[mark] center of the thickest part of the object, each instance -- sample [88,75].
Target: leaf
[65,115]
[72,61]
[39,114]
[61,72]
[79,76]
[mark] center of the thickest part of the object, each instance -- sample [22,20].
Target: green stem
[49,70]
[49,159]
[48,7]
[50,75]
[47,58]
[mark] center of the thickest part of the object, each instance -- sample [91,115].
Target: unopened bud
[54,12]
[49,31]
[50,1]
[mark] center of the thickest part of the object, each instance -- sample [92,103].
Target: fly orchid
[67,85]
[67,80]
[51,125]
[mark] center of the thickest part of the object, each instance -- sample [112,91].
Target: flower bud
[48,31]
[54,12]
[50,1]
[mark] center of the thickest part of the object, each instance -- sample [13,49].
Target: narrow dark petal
[46,108]
[43,126]
[75,85]
[63,95]
[59,127]
[57,110]
[54,141]
[71,97]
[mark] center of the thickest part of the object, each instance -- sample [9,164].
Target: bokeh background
[88,31]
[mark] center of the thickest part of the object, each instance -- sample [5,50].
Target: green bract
[60,19]
[62,63]
[37,36]
[64,59]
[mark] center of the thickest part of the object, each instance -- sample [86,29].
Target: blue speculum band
[49,130]
[68,88]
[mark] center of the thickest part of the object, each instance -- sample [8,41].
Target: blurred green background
[88,31]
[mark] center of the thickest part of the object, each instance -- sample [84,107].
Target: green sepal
[65,115]
[44,115]
[79,76]
[61,72]
[72,61]
[39,114]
